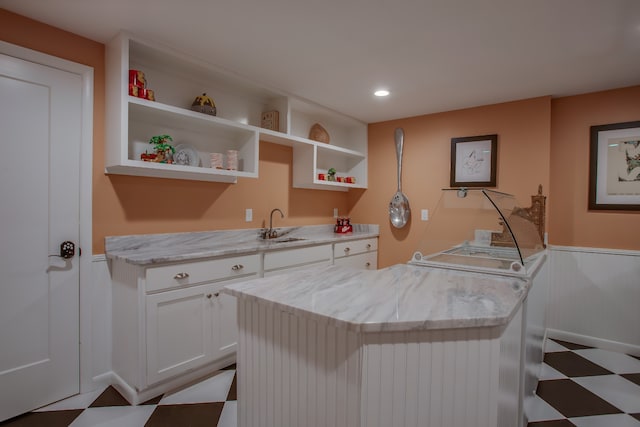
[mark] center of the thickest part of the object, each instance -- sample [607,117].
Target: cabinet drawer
[366,261]
[355,247]
[296,257]
[189,273]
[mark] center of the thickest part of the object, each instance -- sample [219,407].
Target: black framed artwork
[474,161]
[614,167]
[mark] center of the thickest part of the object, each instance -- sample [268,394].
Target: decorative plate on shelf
[185,155]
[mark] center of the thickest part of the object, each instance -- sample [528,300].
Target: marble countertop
[147,249]
[398,298]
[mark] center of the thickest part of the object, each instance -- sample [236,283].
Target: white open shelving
[177,79]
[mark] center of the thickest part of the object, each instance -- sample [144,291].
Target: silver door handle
[237,267]
[346,250]
[181,276]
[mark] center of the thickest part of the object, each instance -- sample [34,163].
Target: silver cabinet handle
[237,267]
[368,264]
[181,276]
[209,296]
[346,250]
[217,294]
[368,245]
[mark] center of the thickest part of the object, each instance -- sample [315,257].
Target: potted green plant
[164,150]
[331,174]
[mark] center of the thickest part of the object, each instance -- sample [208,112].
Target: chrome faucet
[271,233]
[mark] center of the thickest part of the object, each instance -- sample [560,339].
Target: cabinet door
[179,331]
[224,325]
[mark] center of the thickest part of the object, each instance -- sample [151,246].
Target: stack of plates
[217,160]
[232,160]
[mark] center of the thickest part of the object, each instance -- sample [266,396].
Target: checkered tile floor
[579,386]
[211,403]
[586,387]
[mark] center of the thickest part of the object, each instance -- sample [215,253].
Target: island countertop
[147,249]
[398,298]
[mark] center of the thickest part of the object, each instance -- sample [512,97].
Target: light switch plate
[248,215]
[424,214]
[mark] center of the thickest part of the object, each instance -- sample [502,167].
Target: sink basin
[287,239]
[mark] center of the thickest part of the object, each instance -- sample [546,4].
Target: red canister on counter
[343,225]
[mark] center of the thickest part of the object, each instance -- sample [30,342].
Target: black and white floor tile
[211,403]
[586,387]
[579,386]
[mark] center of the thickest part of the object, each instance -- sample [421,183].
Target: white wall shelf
[177,79]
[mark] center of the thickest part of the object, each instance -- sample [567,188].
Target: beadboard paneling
[294,371]
[595,293]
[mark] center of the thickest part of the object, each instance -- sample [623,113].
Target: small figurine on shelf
[331,174]
[204,104]
[163,150]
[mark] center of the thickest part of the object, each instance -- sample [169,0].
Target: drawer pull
[181,276]
[209,296]
[368,264]
[237,267]
[217,294]
[368,245]
[346,250]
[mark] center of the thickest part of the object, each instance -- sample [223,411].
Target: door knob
[67,250]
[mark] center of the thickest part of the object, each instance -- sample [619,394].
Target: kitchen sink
[287,239]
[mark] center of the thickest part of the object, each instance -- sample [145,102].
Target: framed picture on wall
[473,161]
[614,167]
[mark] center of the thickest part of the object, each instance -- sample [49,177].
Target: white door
[40,136]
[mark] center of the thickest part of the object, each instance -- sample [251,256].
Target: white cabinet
[179,328]
[286,260]
[357,253]
[188,328]
[172,324]
[177,79]
[171,321]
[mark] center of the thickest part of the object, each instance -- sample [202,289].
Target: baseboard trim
[590,341]
[135,397]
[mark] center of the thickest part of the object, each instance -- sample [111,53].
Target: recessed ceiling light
[381,92]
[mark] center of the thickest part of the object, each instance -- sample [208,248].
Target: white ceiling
[433,55]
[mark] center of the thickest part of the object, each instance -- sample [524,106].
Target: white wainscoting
[99,319]
[594,297]
[593,300]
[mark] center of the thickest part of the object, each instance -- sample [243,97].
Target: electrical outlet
[424,214]
[335,212]
[248,215]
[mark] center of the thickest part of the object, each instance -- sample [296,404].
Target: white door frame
[86,183]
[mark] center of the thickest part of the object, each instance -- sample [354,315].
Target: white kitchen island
[402,346]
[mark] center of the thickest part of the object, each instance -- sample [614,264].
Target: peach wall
[523,129]
[137,205]
[570,222]
[134,205]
